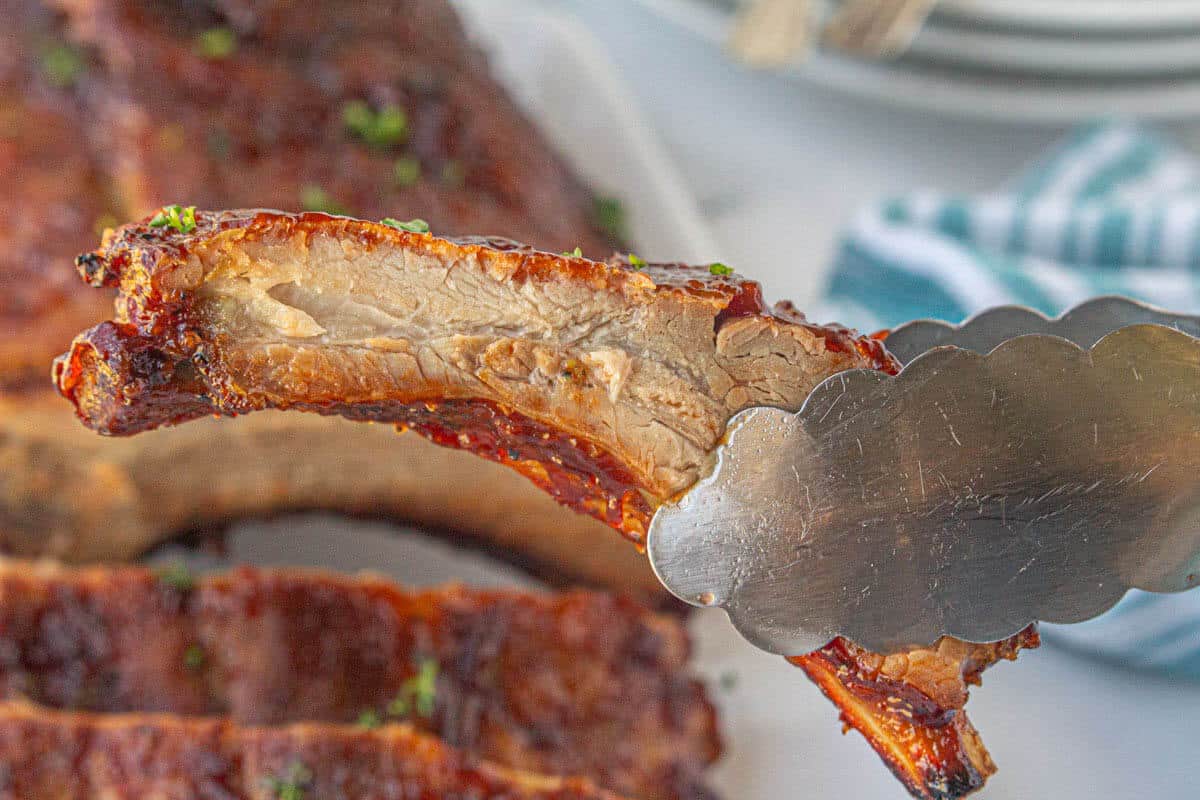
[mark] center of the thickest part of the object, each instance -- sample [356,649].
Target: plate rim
[1076,15]
[1014,100]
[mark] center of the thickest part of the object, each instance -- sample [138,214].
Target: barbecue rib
[577,683]
[51,755]
[607,385]
[112,107]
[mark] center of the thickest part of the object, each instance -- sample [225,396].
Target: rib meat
[577,683]
[51,755]
[607,385]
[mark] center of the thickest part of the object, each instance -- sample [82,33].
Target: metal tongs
[1017,469]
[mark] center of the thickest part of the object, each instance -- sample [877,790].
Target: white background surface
[777,168]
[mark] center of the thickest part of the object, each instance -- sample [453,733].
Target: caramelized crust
[569,684]
[608,385]
[909,707]
[270,121]
[51,755]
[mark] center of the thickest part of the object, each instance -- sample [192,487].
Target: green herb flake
[417,694]
[177,217]
[369,719]
[293,785]
[728,681]
[216,44]
[383,128]
[176,575]
[717,268]
[193,657]
[609,216]
[391,127]
[636,261]
[406,171]
[357,117]
[576,253]
[62,65]
[314,198]
[412,226]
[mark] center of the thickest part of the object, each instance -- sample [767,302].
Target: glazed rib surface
[578,683]
[53,755]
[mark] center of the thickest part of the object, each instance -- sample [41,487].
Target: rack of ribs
[606,384]
[574,683]
[119,756]
[112,108]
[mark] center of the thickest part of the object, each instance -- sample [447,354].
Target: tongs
[1017,469]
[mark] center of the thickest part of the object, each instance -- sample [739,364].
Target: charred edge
[574,471]
[927,747]
[122,383]
[91,268]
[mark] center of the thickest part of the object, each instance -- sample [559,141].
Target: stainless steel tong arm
[972,494]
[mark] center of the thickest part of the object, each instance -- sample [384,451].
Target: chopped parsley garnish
[314,198]
[62,65]
[193,657]
[609,216]
[717,268]
[636,261]
[513,454]
[216,44]
[369,719]
[728,681]
[454,174]
[177,217]
[576,253]
[406,171]
[176,575]
[383,128]
[417,694]
[412,226]
[293,785]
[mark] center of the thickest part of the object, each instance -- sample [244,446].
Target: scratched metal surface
[969,496]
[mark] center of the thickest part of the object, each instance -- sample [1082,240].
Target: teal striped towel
[1114,209]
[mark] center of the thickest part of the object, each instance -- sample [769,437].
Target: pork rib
[607,384]
[556,684]
[54,755]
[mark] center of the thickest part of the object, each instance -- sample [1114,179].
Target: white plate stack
[1033,60]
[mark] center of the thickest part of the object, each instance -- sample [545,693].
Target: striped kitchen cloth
[1113,209]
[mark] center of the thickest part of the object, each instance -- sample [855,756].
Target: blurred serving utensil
[877,28]
[773,33]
